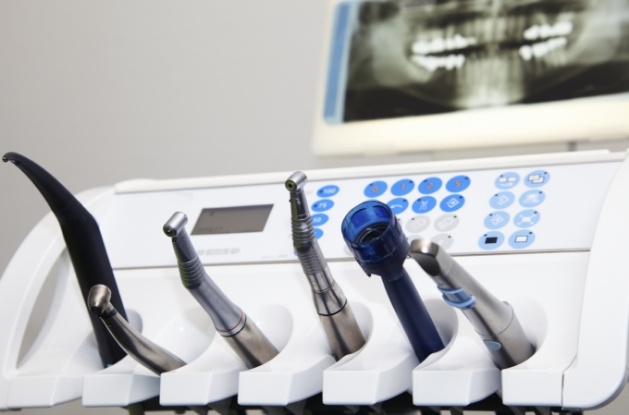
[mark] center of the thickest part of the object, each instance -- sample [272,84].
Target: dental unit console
[514,269]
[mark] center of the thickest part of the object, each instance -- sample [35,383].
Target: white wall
[100,92]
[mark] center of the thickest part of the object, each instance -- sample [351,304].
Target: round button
[526,218]
[458,184]
[318,233]
[402,187]
[502,200]
[521,239]
[507,180]
[532,198]
[443,240]
[496,220]
[446,222]
[491,240]
[322,205]
[319,219]
[328,191]
[424,204]
[398,205]
[429,185]
[538,178]
[452,203]
[375,189]
[418,224]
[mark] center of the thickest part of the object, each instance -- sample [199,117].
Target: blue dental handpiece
[379,245]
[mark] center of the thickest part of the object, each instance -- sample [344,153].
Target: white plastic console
[545,233]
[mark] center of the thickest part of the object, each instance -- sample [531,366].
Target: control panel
[553,207]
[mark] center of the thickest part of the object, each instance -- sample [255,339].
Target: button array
[526,217]
[514,205]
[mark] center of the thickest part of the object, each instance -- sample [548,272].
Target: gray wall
[101,92]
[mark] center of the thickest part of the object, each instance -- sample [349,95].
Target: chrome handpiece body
[152,356]
[494,320]
[379,245]
[85,246]
[242,334]
[338,320]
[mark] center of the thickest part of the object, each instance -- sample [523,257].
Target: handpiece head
[425,253]
[98,300]
[175,224]
[296,181]
[376,239]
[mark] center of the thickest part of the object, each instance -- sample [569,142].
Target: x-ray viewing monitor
[402,75]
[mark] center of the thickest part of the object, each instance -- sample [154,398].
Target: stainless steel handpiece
[242,334]
[339,323]
[494,320]
[149,354]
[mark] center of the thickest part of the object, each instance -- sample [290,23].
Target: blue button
[538,178]
[398,205]
[319,219]
[318,233]
[328,191]
[526,218]
[496,220]
[458,184]
[521,239]
[507,180]
[375,189]
[452,203]
[322,205]
[491,240]
[502,200]
[429,185]
[424,204]
[402,187]
[532,198]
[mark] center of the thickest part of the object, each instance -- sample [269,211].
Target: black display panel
[236,219]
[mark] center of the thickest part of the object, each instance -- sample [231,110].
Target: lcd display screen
[237,219]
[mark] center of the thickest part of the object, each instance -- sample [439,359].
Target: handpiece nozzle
[175,224]
[494,320]
[337,317]
[242,334]
[98,300]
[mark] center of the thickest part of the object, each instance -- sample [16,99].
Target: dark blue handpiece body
[85,247]
[380,247]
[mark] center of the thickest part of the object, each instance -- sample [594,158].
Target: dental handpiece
[153,357]
[494,320]
[336,316]
[85,246]
[379,245]
[240,332]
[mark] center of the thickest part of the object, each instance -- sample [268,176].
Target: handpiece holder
[494,320]
[379,245]
[85,245]
[336,315]
[242,334]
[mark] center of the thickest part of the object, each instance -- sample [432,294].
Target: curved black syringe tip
[85,246]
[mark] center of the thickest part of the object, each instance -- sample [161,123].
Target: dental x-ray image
[402,58]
